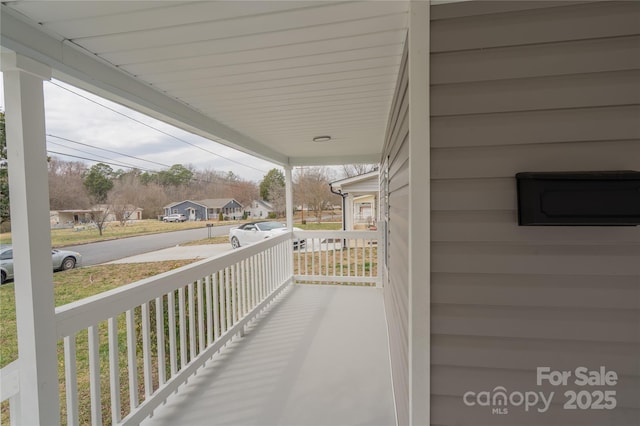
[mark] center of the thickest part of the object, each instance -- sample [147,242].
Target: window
[7,255]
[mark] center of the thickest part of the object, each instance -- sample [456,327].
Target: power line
[108,150]
[95,161]
[91,153]
[159,130]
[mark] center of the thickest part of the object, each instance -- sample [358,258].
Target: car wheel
[3,277]
[235,243]
[68,263]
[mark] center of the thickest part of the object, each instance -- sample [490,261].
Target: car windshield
[268,226]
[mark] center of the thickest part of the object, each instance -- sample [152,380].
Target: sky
[84,125]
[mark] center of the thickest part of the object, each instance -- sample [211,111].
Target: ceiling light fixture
[322,139]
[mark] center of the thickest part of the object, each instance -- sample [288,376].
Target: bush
[245,215]
[220,217]
[272,215]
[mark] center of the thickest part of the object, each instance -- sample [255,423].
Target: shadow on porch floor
[318,356]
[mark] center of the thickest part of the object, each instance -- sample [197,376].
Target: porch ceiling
[266,76]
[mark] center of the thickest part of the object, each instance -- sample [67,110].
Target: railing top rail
[336,233]
[73,317]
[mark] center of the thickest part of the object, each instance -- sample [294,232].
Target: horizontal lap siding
[520,87]
[396,288]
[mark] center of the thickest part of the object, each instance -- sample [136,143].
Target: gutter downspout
[344,209]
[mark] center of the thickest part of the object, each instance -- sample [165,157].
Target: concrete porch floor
[318,356]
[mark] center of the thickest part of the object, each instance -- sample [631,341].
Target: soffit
[276,73]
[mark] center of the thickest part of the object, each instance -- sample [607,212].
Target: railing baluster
[356,250]
[313,257]
[192,323]
[200,296]
[94,375]
[326,258]
[223,303]
[146,351]
[371,258]
[234,294]
[306,258]
[227,288]
[171,314]
[162,362]
[245,286]
[262,273]
[216,306]
[71,380]
[334,258]
[207,286]
[114,370]
[299,255]
[182,327]
[319,256]
[131,358]
[254,281]
[348,258]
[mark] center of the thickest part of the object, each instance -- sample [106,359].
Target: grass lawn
[323,226]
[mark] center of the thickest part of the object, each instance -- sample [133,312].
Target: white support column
[29,197]
[288,180]
[419,215]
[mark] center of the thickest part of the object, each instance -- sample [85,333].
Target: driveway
[179,253]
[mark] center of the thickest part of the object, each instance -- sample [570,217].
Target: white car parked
[253,232]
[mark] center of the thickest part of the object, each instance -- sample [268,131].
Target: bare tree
[66,188]
[350,170]
[312,190]
[99,215]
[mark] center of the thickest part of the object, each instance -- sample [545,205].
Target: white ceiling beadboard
[274,73]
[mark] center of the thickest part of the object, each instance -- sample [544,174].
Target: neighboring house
[118,212]
[70,217]
[360,197]
[208,209]
[260,209]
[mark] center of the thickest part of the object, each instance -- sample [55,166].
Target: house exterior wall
[396,195]
[259,210]
[201,211]
[527,87]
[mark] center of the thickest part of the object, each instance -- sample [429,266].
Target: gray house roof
[217,203]
[211,203]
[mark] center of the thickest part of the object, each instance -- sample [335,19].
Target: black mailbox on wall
[579,198]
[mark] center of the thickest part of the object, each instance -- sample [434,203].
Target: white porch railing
[137,344]
[351,257]
[173,323]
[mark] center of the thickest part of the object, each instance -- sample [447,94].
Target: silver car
[61,260]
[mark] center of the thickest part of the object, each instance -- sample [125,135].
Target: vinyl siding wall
[396,160]
[517,86]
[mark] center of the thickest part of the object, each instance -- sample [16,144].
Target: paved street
[107,251]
